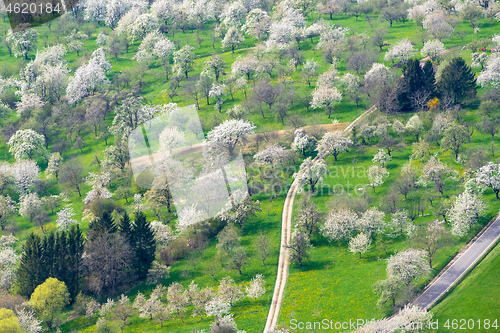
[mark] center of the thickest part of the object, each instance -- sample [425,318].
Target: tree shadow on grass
[312,265]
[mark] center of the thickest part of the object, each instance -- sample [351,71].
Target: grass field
[333,283]
[476,298]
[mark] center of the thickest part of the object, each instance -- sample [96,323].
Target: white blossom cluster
[490,75]
[408,265]
[333,143]
[98,183]
[256,288]
[403,51]
[88,77]
[27,144]
[28,321]
[8,260]
[465,212]
[163,233]
[65,218]
[272,155]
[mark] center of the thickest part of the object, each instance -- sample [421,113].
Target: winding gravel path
[286,231]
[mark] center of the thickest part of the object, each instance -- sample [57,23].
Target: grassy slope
[476,297]
[340,263]
[339,284]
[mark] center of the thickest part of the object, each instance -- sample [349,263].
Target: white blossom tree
[29,102]
[410,317]
[256,289]
[327,79]
[282,34]
[25,173]
[310,70]
[378,75]
[65,218]
[360,244]
[403,51]
[163,233]
[479,59]
[352,87]
[435,171]
[437,24]
[340,225]
[183,60]
[245,66]
[311,173]
[465,212]
[234,14]
[331,35]
[170,138]
[228,291]
[300,245]
[414,126]
[228,134]
[302,142]
[433,49]
[496,39]
[324,96]
[23,41]
[131,113]
[27,144]
[232,39]
[30,205]
[400,223]
[92,309]
[158,272]
[217,91]
[257,23]
[7,208]
[217,307]
[489,175]
[8,261]
[28,321]
[188,216]
[377,175]
[271,155]
[54,165]
[143,25]
[98,183]
[408,265]
[88,77]
[381,157]
[371,221]
[490,75]
[333,143]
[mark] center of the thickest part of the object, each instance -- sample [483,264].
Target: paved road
[460,266]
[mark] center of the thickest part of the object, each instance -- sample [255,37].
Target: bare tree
[263,247]
[72,173]
[108,261]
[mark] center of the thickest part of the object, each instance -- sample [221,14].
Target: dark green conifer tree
[126,229]
[429,78]
[76,242]
[102,224]
[49,254]
[458,80]
[31,271]
[144,245]
[61,249]
[411,82]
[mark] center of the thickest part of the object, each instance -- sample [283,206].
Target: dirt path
[286,231]
[198,148]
